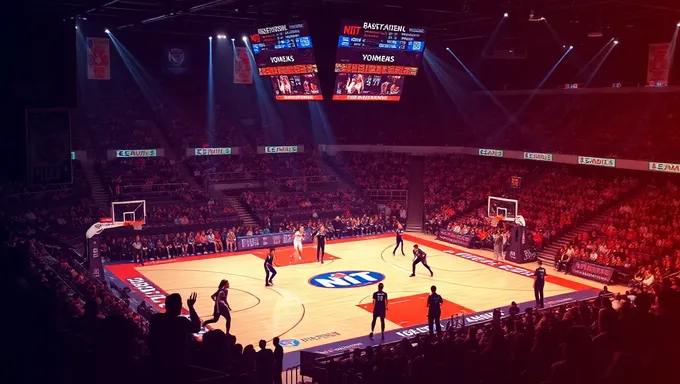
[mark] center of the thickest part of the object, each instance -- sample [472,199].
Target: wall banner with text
[243,73]
[176,60]
[49,146]
[658,64]
[98,59]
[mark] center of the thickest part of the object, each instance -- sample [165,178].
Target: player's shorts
[297,244]
[379,314]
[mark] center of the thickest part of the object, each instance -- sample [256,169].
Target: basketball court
[327,307]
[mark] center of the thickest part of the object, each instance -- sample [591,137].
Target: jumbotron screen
[373,58]
[296,87]
[368,87]
[286,53]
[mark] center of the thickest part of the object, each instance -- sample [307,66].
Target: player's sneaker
[413,275]
[299,257]
[382,337]
[370,335]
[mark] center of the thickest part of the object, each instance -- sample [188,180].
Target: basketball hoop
[136,225]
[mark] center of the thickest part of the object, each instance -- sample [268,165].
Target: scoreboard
[285,53]
[373,59]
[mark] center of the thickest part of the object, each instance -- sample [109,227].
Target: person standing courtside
[320,243]
[434,310]
[539,283]
[400,241]
[419,257]
[269,268]
[379,310]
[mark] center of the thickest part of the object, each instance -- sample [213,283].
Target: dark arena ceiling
[446,20]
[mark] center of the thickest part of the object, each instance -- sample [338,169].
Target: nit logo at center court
[346,279]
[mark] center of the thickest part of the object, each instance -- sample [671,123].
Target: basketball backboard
[128,211]
[500,206]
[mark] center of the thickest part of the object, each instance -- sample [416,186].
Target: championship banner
[490,152]
[176,60]
[590,271]
[454,238]
[658,64]
[98,59]
[48,143]
[664,167]
[243,73]
[600,162]
[538,156]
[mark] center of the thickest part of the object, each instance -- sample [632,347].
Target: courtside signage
[664,167]
[599,161]
[346,279]
[211,151]
[282,149]
[538,156]
[136,153]
[289,343]
[490,152]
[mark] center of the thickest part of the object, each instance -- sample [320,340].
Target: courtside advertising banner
[98,59]
[490,152]
[243,73]
[281,149]
[211,151]
[176,60]
[658,64]
[664,167]
[599,161]
[538,156]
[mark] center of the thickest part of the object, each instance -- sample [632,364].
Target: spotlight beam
[593,59]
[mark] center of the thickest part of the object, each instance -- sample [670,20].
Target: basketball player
[269,268]
[419,257]
[498,246]
[400,241]
[434,310]
[297,241]
[539,283]
[320,243]
[379,310]
[222,307]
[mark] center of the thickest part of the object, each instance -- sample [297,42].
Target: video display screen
[282,45]
[381,45]
[296,87]
[368,87]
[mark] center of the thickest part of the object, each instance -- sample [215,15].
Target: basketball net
[136,225]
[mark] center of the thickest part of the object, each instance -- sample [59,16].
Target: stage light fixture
[107,31]
[616,41]
[245,39]
[677,25]
[571,47]
[505,14]
[209,37]
[232,39]
[542,19]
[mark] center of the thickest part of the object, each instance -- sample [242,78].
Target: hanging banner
[243,73]
[658,64]
[176,60]
[98,59]
[48,134]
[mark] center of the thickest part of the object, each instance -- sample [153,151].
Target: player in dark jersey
[222,307]
[379,310]
[320,243]
[269,268]
[539,283]
[434,310]
[419,257]
[400,241]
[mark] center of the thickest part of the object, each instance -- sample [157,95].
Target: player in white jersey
[297,241]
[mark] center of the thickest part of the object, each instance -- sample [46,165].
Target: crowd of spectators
[613,339]
[375,170]
[639,238]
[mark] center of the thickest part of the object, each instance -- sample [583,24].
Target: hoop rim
[136,225]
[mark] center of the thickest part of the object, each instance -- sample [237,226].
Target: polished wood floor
[312,315]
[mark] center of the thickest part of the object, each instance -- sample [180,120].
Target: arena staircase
[547,254]
[243,214]
[416,195]
[100,196]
